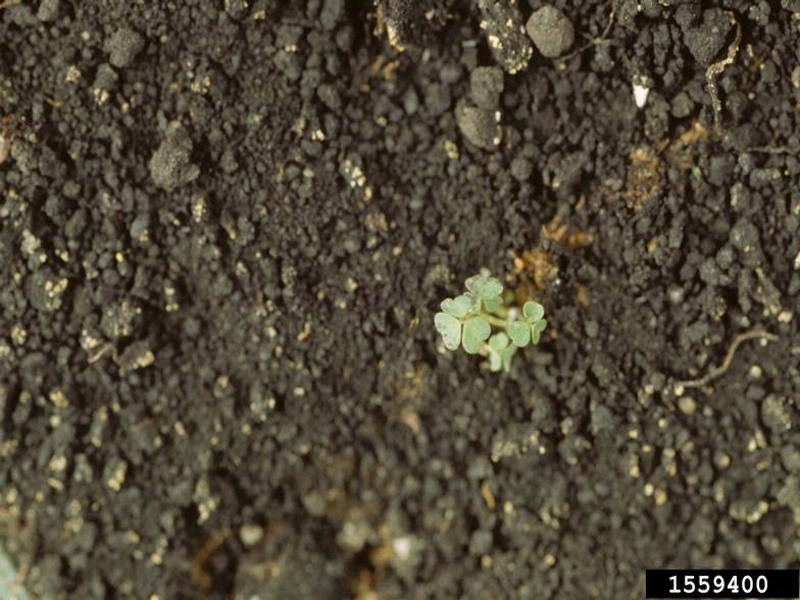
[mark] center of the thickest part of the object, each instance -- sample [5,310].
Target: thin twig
[103,350]
[593,41]
[774,149]
[718,67]
[726,363]
[19,581]
[7,3]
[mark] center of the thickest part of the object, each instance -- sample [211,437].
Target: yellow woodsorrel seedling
[467,321]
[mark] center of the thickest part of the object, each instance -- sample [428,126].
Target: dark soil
[225,227]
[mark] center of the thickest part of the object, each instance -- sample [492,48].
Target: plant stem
[496,321]
[502,312]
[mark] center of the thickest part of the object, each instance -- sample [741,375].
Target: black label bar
[723,583]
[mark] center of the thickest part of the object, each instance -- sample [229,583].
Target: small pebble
[170,166]
[48,10]
[551,31]
[486,85]
[123,47]
[480,126]
[251,535]
[521,169]
[687,405]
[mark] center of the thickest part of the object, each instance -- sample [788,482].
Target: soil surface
[225,227]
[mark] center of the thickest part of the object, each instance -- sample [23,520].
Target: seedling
[467,321]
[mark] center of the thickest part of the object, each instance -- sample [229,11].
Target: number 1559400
[704,584]
[728,583]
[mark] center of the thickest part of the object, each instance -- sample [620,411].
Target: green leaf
[448,306]
[458,306]
[537,329]
[493,304]
[533,311]
[506,357]
[484,287]
[491,288]
[495,361]
[467,301]
[498,344]
[474,284]
[450,328]
[520,333]
[476,330]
